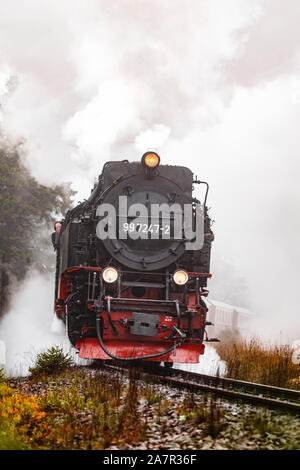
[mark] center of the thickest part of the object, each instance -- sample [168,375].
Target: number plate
[144,324]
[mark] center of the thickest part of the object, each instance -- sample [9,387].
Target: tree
[25,207]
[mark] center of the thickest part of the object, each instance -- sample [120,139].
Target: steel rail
[269,390]
[250,392]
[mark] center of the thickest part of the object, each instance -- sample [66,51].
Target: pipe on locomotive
[149,356]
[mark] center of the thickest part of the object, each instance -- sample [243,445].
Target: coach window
[234,319]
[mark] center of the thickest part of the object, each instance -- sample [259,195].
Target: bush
[254,361]
[52,361]
[23,424]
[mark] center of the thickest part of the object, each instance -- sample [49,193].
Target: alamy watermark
[152,221]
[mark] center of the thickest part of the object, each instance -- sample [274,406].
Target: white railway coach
[226,317]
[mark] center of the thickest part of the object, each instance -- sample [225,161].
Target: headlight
[180,277]
[110,274]
[150,159]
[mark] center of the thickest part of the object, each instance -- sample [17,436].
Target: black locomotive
[129,281]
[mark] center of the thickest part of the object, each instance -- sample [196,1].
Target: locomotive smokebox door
[144,324]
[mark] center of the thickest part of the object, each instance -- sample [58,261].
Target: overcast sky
[210,84]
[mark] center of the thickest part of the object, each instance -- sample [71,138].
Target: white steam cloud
[210,84]
[30,327]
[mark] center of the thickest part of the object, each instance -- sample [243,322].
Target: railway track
[259,394]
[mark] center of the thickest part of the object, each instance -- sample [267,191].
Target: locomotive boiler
[133,262]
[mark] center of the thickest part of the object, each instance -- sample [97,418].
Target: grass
[253,361]
[209,414]
[261,426]
[77,408]
[92,412]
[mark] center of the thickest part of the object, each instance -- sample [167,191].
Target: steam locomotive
[133,262]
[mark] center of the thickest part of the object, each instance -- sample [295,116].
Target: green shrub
[51,361]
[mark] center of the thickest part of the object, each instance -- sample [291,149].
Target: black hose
[178,313]
[150,356]
[110,319]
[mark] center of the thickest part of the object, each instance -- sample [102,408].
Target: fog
[209,84]
[30,326]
